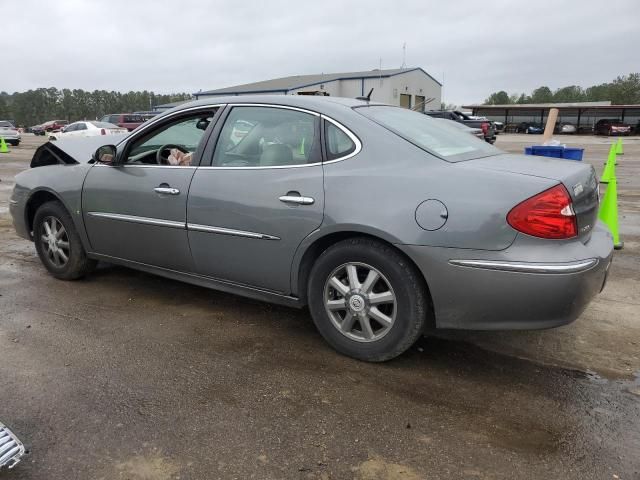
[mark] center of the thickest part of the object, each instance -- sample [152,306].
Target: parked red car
[50,126]
[608,126]
[130,121]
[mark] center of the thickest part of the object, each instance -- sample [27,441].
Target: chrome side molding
[230,231]
[522,267]
[135,219]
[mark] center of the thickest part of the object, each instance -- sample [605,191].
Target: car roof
[312,102]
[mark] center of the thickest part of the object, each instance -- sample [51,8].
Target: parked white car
[87,129]
[10,133]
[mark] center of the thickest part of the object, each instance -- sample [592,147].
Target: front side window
[339,144]
[428,134]
[171,143]
[267,137]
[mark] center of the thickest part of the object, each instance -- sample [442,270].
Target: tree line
[40,105]
[624,90]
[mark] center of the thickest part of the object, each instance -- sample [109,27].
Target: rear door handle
[167,190]
[297,199]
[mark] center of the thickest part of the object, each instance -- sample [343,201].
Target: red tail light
[103,131]
[485,127]
[546,215]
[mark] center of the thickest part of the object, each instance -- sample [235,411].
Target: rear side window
[114,119]
[267,137]
[338,143]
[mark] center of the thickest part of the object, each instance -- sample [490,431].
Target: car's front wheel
[367,300]
[58,243]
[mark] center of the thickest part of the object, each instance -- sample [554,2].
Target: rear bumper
[10,138]
[512,289]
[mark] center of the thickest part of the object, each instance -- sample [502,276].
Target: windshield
[104,125]
[5,125]
[444,141]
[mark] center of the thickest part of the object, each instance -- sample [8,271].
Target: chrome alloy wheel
[55,241]
[360,302]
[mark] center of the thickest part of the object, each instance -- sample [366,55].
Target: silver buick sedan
[379,219]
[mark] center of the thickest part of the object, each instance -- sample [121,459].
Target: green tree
[541,95]
[572,93]
[498,98]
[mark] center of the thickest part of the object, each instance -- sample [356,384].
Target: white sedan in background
[87,129]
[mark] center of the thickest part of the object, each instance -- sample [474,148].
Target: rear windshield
[5,124]
[444,141]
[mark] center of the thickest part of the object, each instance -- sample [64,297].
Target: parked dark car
[486,126]
[381,220]
[609,126]
[529,127]
[476,132]
[130,121]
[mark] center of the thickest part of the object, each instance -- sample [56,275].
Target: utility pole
[404,55]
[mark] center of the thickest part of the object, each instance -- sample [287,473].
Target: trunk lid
[578,178]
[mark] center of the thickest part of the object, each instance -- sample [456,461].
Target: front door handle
[167,190]
[297,199]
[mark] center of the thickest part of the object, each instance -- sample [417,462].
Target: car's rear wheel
[58,243]
[367,300]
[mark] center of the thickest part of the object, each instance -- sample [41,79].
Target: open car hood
[72,150]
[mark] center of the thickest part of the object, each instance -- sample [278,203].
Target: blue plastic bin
[573,153]
[555,151]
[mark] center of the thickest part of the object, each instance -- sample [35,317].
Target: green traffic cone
[609,212]
[609,171]
[3,146]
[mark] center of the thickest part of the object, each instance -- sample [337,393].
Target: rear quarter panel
[381,187]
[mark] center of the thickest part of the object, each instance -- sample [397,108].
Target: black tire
[77,264]
[406,282]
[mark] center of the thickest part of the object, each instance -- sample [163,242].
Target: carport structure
[583,115]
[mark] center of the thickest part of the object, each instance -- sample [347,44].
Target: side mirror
[202,124]
[105,154]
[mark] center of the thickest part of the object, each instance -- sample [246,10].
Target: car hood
[81,149]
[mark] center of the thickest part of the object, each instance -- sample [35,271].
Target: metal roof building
[407,87]
[582,114]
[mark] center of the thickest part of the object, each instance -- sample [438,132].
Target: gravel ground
[129,376]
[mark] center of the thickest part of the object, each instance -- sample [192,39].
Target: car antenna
[367,98]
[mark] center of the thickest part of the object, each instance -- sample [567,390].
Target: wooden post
[551,123]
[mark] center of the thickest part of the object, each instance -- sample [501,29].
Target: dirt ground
[125,375]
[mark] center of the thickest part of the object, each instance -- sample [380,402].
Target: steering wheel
[162,160]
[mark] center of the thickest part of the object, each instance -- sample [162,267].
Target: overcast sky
[187,45]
